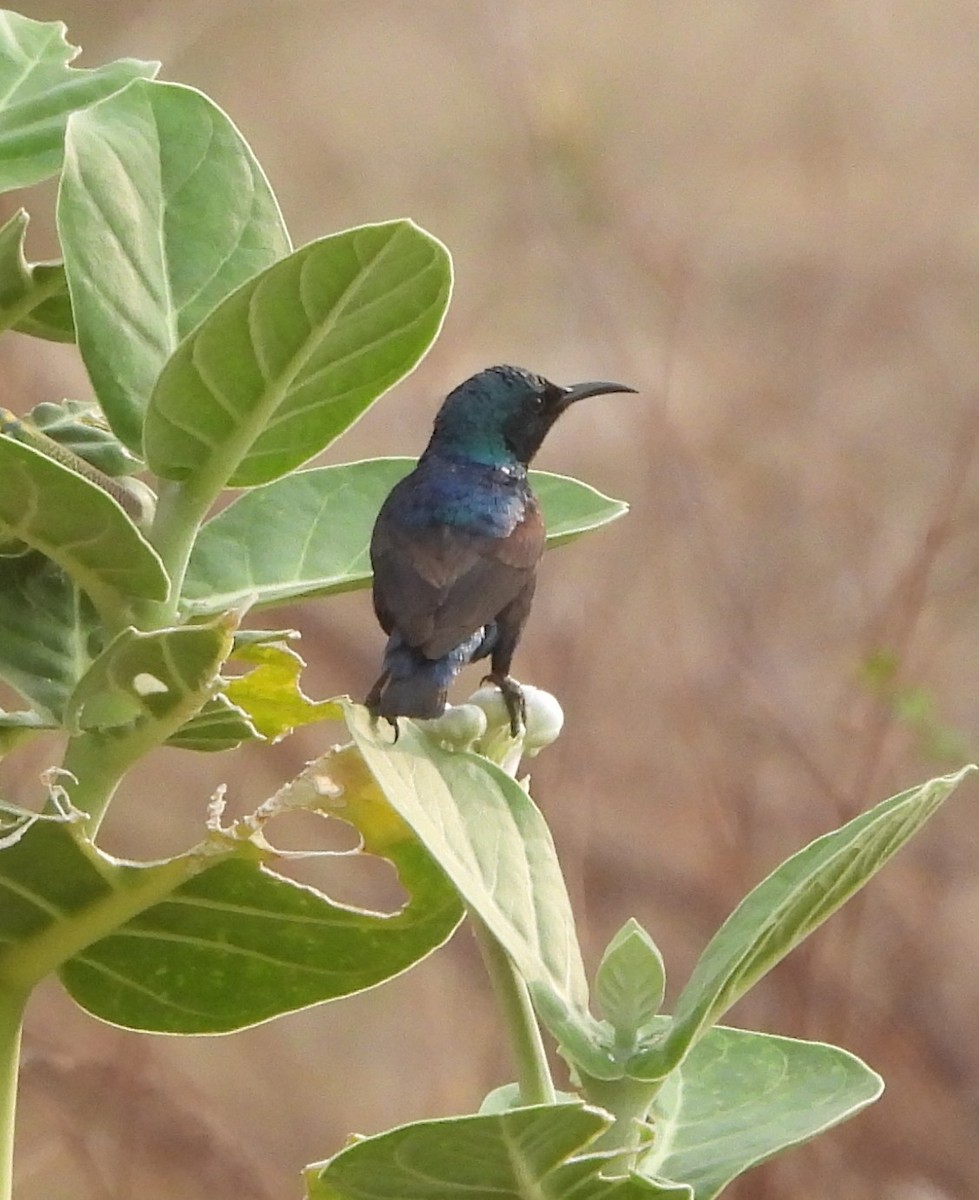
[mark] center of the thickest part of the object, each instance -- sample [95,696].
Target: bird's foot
[392,721]
[373,706]
[513,698]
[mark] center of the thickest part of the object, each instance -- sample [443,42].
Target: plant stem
[99,763]
[510,987]
[513,998]
[11,1018]
[629,1101]
[180,512]
[182,506]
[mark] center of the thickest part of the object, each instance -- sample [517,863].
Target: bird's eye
[549,397]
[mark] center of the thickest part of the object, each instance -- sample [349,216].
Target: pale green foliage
[220,357]
[520,1155]
[162,212]
[39,91]
[33,296]
[630,982]
[741,1097]
[307,534]
[292,358]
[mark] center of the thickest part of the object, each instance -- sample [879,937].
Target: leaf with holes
[308,534]
[163,211]
[237,944]
[292,358]
[270,694]
[150,676]
[210,941]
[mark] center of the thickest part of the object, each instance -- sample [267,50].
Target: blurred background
[764,215]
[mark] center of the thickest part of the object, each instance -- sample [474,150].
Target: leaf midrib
[276,391]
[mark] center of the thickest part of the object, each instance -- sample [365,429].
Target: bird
[456,543]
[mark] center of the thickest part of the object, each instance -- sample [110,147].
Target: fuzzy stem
[512,994]
[629,1101]
[513,998]
[11,1018]
[180,512]
[99,762]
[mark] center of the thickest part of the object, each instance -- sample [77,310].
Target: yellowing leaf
[271,695]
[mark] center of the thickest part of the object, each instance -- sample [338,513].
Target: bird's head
[503,414]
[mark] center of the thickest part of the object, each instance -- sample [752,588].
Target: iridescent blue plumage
[470,496]
[456,544]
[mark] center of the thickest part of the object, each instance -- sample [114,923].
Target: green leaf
[38,92]
[135,497]
[209,941]
[44,873]
[18,727]
[308,534]
[740,1098]
[33,296]
[61,893]
[270,694]
[524,1154]
[149,676]
[50,631]
[265,637]
[81,428]
[784,909]
[571,507]
[220,725]
[485,832]
[631,980]
[163,211]
[78,526]
[266,704]
[237,944]
[508,1097]
[294,357]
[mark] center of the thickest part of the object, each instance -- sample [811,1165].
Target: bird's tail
[412,685]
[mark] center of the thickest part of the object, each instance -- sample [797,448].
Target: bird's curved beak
[581,391]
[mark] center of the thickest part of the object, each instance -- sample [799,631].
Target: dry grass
[764,215]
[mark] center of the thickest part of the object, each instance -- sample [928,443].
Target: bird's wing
[437,584]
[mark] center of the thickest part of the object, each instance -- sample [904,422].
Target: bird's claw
[373,704]
[514,699]
[392,721]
